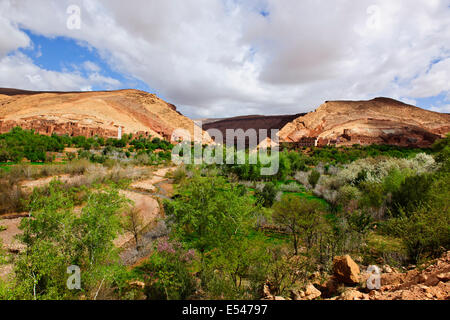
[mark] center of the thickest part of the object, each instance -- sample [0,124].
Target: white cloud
[91,66]
[18,71]
[222,57]
[432,82]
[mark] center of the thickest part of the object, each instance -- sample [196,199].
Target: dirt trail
[146,192]
[143,193]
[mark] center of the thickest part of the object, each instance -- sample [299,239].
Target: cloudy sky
[216,58]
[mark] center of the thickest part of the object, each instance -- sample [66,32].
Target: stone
[137,284]
[387,269]
[423,278]
[444,277]
[297,294]
[346,270]
[351,294]
[266,292]
[311,292]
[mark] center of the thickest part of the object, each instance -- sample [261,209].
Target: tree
[56,237]
[208,211]
[167,272]
[235,261]
[134,224]
[300,217]
[267,194]
[313,178]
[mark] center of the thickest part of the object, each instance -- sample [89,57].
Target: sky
[221,58]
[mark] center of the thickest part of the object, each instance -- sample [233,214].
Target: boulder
[352,294]
[387,269]
[444,276]
[311,292]
[346,270]
[137,284]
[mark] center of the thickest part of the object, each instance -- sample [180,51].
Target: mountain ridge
[91,113]
[380,120]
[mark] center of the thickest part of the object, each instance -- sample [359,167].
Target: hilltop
[377,121]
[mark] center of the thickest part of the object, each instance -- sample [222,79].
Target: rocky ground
[347,282]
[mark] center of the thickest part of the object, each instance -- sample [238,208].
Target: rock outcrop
[428,283]
[99,113]
[346,270]
[378,121]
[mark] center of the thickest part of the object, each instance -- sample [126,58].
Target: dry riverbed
[144,194]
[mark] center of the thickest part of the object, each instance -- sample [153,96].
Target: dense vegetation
[19,144]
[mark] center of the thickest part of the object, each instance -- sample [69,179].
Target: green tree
[313,178]
[413,191]
[167,272]
[300,217]
[208,211]
[267,195]
[56,238]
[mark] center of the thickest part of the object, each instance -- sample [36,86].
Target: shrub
[413,191]
[179,174]
[11,198]
[167,272]
[300,218]
[313,178]
[267,195]
[425,232]
[291,187]
[57,237]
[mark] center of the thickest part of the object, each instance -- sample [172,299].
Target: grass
[270,237]
[389,248]
[303,194]
[308,196]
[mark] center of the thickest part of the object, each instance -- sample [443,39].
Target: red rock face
[48,127]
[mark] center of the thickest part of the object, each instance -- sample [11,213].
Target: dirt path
[151,189]
[8,236]
[144,194]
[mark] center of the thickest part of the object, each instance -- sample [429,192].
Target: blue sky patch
[62,54]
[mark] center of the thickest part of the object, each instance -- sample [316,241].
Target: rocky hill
[380,121]
[91,113]
[256,122]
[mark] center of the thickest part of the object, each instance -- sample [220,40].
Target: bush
[413,191]
[57,237]
[167,272]
[267,195]
[313,178]
[300,218]
[179,174]
[425,232]
[11,198]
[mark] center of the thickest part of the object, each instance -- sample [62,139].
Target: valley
[140,227]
